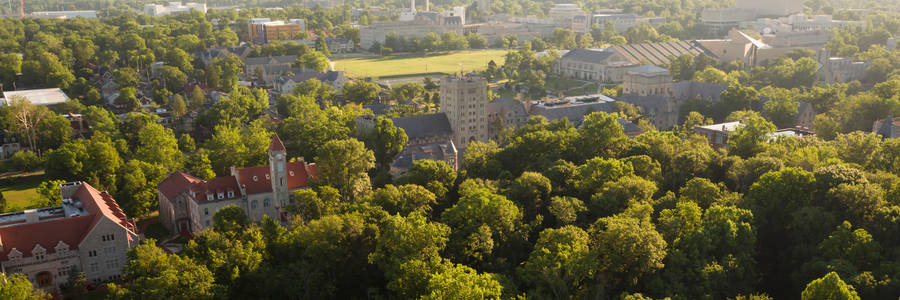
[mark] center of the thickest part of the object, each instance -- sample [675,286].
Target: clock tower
[278,171]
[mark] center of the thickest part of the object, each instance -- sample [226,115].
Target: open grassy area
[21,191]
[412,64]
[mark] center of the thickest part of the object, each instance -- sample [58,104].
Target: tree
[230,220]
[406,92]
[829,287]
[25,161]
[362,92]
[173,78]
[16,286]
[740,97]
[179,108]
[180,59]
[751,138]
[25,117]
[563,38]
[128,99]
[435,175]
[316,89]
[198,99]
[343,164]
[409,244]
[313,60]
[158,144]
[628,247]
[155,274]
[126,77]
[560,263]
[405,199]
[476,41]
[322,46]
[10,66]
[386,141]
[601,134]
[462,282]
[532,191]
[50,191]
[711,75]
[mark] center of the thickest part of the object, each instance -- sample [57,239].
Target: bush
[25,161]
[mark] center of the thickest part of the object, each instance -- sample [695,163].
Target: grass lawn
[411,64]
[21,191]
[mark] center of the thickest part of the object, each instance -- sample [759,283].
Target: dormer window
[221,195]
[267,176]
[14,254]
[209,197]
[230,194]
[61,247]
[38,252]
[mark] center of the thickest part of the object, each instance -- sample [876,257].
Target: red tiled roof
[70,230]
[24,237]
[176,184]
[262,182]
[299,174]
[223,184]
[276,144]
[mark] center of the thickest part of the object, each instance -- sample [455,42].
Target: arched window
[254,204]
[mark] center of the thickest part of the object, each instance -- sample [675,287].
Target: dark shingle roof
[271,59]
[588,55]
[424,125]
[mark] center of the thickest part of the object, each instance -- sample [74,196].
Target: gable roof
[284,59]
[176,183]
[276,144]
[588,55]
[420,126]
[258,180]
[70,230]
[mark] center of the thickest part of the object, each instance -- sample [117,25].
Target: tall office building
[463,100]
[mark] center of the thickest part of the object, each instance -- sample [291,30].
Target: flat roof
[38,97]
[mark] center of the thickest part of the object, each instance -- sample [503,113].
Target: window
[254,204]
[112,263]
[221,195]
[206,211]
[108,237]
[92,253]
[266,203]
[95,267]
[230,194]
[109,250]
[209,197]
[39,256]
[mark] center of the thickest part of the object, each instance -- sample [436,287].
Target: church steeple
[278,171]
[276,144]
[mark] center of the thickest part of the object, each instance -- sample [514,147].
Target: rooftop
[424,125]
[38,96]
[722,127]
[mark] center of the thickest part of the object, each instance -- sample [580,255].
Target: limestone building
[188,203]
[264,30]
[648,80]
[87,233]
[463,100]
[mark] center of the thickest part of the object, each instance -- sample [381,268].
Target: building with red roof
[87,233]
[188,203]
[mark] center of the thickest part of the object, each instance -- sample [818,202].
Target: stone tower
[278,171]
[463,100]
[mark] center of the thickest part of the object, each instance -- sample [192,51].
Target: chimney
[31,216]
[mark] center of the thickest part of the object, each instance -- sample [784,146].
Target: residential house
[270,67]
[442,151]
[888,128]
[287,83]
[717,134]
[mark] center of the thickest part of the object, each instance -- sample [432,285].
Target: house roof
[722,127]
[257,179]
[176,184]
[276,144]
[420,126]
[588,55]
[38,96]
[573,108]
[70,230]
[648,70]
[221,184]
[284,59]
